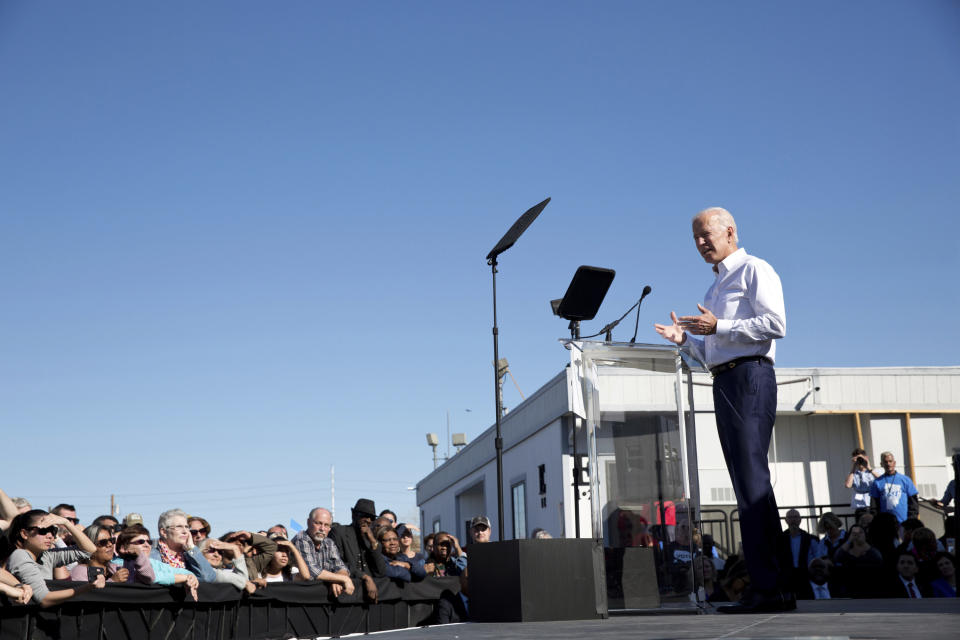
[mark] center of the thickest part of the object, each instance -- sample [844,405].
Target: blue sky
[241,242]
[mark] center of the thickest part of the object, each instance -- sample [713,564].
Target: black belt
[726,366]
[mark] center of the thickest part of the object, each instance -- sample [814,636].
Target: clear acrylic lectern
[635,404]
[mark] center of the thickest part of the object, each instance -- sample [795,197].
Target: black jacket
[356,552]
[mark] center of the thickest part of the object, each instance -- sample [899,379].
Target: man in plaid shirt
[321,554]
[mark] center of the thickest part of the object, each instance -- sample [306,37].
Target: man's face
[481,532]
[793,519]
[907,567]
[714,242]
[889,464]
[276,529]
[318,525]
[363,519]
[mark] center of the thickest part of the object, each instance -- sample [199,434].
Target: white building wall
[520,464]
[809,457]
[463,499]
[886,434]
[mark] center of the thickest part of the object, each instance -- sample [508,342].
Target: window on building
[519,510]
[436,525]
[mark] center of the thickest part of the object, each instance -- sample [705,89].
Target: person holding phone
[860,478]
[100,561]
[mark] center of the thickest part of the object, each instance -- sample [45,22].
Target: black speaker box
[537,580]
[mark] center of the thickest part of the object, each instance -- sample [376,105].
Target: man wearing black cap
[359,548]
[480,529]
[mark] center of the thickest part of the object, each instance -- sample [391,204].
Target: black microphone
[646,291]
[610,327]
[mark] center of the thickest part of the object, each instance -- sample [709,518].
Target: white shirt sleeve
[765,295]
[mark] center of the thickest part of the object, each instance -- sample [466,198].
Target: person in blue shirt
[894,492]
[398,565]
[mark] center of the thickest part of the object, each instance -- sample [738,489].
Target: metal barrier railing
[811,513]
[715,523]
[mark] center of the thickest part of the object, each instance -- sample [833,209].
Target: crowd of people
[874,558]
[37,546]
[887,552]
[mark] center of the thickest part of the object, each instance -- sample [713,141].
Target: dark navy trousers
[745,404]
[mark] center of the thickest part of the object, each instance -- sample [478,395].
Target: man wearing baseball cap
[480,529]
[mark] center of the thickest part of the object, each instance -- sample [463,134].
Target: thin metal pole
[498,442]
[576,479]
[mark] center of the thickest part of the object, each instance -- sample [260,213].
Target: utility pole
[333,501]
[113,505]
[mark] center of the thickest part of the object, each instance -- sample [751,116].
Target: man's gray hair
[720,217]
[169,515]
[20,503]
[315,509]
[885,454]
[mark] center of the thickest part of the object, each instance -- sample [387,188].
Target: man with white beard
[321,554]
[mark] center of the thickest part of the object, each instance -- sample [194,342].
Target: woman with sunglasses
[199,528]
[405,534]
[100,562]
[228,562]
[134,543]
[30,555]
[448,559]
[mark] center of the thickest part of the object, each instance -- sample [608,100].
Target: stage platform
[853,619]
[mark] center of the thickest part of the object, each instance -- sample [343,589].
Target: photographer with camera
[860,478]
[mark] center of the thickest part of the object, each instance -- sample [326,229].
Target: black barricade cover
[290,592]
[281,610]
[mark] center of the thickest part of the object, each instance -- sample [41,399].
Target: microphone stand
[607,330]
[507,241]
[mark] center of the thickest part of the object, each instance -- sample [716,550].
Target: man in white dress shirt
[741,317]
